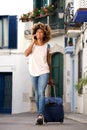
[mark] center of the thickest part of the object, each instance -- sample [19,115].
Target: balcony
[69,48]
[52,14]
[72,28]
[73,31]
[56,22]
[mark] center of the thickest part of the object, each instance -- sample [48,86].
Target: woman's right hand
[29,49]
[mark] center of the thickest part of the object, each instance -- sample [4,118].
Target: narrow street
[66,63]
[27,122]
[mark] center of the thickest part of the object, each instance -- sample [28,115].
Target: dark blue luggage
[54,111]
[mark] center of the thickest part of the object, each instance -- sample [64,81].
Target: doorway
[57,73]
[5,92]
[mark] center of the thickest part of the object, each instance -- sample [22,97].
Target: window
[80,64]
[8,32]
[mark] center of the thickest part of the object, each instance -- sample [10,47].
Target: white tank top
[38,60]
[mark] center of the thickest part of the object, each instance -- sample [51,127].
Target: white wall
[16,7]
[20,80]
[76,4]
[80,100]
[85,87]
[14,60]
[79,4]
[67,82]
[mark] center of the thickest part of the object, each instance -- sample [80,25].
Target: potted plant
[70,42]
[24,18]
[50,8]
[42,11]
[81,83]
[36,12]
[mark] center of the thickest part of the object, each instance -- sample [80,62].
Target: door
[57,73]
[5,92]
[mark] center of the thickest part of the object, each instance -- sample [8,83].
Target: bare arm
[29,49]
[49,63]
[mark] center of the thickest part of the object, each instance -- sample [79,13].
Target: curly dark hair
[45,27]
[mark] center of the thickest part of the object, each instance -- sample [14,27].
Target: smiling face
[39,34]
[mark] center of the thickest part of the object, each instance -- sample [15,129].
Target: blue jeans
[39,85]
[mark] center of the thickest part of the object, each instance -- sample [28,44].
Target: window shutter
[39,4]
[53,1]
[80,55]
[45,2]
[13,32]
[34,3]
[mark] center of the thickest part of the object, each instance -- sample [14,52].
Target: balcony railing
[69,49]
[53,20]
[72,28]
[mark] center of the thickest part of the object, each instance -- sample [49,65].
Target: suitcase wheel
[45,120]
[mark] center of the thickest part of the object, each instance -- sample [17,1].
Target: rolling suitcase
[54,111]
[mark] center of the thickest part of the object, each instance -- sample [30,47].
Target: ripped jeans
[39,85]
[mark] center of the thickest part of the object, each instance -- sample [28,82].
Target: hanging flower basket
[25,17]
[36,13]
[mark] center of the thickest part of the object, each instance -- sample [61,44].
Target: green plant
[42,10]
[25,17]
[36,13]
[50,8]
[70,42]
[81,83]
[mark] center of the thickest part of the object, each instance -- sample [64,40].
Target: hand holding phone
[34,38]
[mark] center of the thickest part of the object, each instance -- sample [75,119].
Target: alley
[26,121]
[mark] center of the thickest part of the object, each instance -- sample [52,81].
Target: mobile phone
[34,37]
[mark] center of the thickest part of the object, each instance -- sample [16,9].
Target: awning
[81,15]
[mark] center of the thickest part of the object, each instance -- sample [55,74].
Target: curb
[77,117]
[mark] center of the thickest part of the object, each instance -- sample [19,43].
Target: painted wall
[80,99]
[79,4]
[85,70]
[14,61]
[20,83]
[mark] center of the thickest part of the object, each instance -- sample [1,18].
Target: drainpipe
[72,92]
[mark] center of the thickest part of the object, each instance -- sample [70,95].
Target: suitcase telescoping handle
[54,90]
[52,100]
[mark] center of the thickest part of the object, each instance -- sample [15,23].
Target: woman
[39,65]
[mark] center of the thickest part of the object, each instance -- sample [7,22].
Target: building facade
[68,56]
[76,30]
[16,94]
